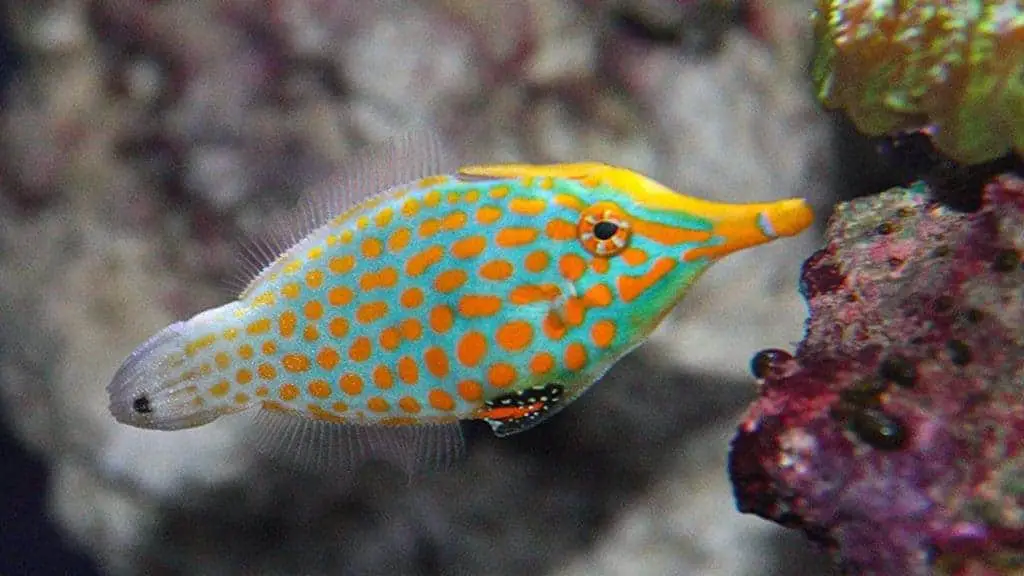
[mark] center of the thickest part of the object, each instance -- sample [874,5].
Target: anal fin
[336,448]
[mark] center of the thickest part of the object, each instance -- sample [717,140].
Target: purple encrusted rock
[894,434]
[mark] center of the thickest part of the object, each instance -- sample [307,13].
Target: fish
[412,293]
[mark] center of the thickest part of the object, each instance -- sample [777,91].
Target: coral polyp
[894,434]
[952,68]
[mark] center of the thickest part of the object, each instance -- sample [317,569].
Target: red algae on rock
[894,434]
[949,67]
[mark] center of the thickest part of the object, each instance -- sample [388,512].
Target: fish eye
[603,232]
[605,229]
[141,405]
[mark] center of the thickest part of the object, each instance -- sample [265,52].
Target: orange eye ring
[602,232]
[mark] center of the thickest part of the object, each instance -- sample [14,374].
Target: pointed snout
[740,226]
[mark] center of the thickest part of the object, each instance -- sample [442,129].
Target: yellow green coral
[955,68]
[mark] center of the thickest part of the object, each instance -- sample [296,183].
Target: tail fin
[154,387]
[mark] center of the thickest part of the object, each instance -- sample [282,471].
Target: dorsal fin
[369,172]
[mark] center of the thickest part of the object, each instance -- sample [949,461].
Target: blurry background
[139,139]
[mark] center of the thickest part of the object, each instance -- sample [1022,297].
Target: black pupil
[605,230]
[141,405]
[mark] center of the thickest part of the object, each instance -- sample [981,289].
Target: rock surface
[894,434]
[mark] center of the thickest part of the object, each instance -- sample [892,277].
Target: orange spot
[408,372]
[575,356]
[351,384]
[230,334]
[220,389]
[286,324]
[338,327]
[319,388]
[288,392]
[553,326]
[515,335]
[371,312]
[630,287]
[291,291]
[310,333]
[436,361]
[339,407]
[409,405]
[410,208]
[266,371]
[433,198]
[602,333]
[243,376]
[222,360]
[469,247]
[360,349]
[327,358]
[511,237]
[383,218]
[339,296]
[537,261]
[241,398]
[499,191]
[471,348]
[559,229]
[314,279]
[319,413]
[372,248]
[245,352]
[598,295]
[398,240]
[454,221]
[634,256]
[411,329]
[441,319]
[429,227]
[385,278]
[487,214]
[419,263]
[574,311]
[411,297]
[382,377]
[572,267]
[496,270]
[471,390]
[313,310]
[501,375]
[377,404]
[390,338]
[295,362]
[599,264]
[531,293]
[440,399]
[527,206]
[258,327]
[668,234]
[341,264]
[450,280]
[274,406]
[262,391]
[570,202]
[542,363]
[474,305]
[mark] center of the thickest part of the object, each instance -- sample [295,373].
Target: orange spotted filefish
[413,293]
